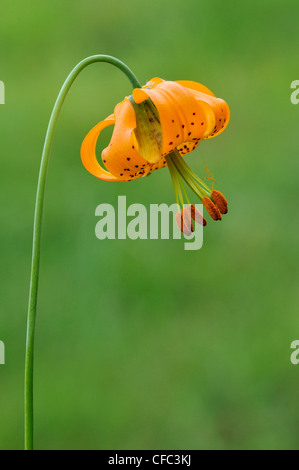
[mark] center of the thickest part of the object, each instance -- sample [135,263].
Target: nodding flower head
[155,127]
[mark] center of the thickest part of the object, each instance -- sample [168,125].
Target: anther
[183,219]
[220,201]
[196,215]
[212,209]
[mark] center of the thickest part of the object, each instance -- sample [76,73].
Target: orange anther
[220,201]
[212,209]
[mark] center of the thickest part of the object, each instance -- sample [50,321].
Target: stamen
[176,183]
[188,225]
[196,215]
[179,221]
[220,201]
[178,158]
[212,209]
[183,219]
[179,171]
[201,190]
[189,180]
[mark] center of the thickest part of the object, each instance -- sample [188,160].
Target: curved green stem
[29,358]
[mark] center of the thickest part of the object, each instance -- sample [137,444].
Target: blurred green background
[140,344]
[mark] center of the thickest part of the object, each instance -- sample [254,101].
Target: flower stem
[38,214]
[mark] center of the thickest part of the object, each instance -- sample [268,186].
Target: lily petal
[215,109]
[88,151]
[179,113]
[122,157]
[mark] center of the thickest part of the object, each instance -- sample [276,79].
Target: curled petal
[195,86]
[215,109]
[122,157]
[139,95]
[88,151]
[179,114]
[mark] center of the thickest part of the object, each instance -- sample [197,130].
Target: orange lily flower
[153,128]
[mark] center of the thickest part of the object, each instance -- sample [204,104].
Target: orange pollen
[220,201]
[212,209]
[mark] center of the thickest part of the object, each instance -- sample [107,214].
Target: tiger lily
[155,127]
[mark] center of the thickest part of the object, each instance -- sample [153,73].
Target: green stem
[33,292]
